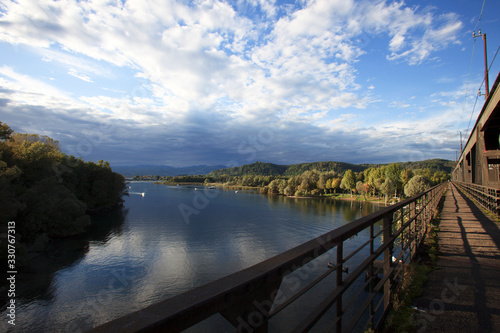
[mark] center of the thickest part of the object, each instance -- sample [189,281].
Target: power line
[470,71]
[470,119]
[494,58]
[468,80]
[480,15]
[477,96]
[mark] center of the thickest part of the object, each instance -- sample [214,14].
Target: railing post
[413,230]
[370,285]
[340,261]
[387,225]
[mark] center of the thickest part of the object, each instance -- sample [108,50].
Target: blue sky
[233,82]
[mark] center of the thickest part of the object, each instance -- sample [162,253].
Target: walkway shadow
[481,276]
[488,224]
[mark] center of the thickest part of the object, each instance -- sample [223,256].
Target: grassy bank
[401,317]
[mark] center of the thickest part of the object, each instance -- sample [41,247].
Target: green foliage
[5,131]
[416,185]
[257,168]
[9,189]
[53,209]
[336,167]
[349,180]
[320,178]
[48,192]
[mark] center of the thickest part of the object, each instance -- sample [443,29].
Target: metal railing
[487,197]
[251,299]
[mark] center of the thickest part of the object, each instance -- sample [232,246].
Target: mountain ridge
[272,169]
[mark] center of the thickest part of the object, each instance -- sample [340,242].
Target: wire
[468,80]
[480,15]
[494,58]
[470,71]
[477,96]
[470,119]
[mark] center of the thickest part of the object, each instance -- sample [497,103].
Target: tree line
[47,192]
[390,181]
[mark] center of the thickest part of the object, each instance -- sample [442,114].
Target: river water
[164,241]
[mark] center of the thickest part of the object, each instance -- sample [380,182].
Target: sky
[212,82]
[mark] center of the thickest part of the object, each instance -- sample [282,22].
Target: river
[164,241]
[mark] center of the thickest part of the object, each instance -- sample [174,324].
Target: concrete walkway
[463,294]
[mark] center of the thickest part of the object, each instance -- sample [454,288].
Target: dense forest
[47,192]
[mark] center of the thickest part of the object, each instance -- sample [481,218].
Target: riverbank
[334,196]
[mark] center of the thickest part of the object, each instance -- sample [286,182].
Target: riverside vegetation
[335,179]
[50,194]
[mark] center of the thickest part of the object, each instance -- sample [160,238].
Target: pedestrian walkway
[463,294]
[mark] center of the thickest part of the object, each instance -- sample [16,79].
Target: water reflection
[152,252]
[35,279]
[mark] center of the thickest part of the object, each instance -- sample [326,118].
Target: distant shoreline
[355,198]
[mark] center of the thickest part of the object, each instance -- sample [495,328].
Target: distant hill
[339,167]
[270,169]
[257,168]
[434,164]
[164,170]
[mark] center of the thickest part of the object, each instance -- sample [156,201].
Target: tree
[387,187]
[393,172]
[5,131]
[378,183]
[416,185]
[53,210]
[406,175]
[273,187]
[349,180]
[335,184]
[359,187]
[328,185]
[289,190]
[439,176]
[48,192]
[321,184]
[9,203]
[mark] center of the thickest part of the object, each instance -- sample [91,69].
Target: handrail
[248,299]
[487,197]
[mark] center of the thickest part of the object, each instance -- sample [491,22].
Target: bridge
[462,295]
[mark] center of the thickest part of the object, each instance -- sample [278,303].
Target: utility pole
[486,79]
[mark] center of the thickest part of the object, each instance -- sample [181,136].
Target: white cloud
[291,65]
[82,77]
[192,53]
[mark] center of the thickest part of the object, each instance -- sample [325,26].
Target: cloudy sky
[233,82]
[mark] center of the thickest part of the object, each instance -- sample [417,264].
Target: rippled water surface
[160,244]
